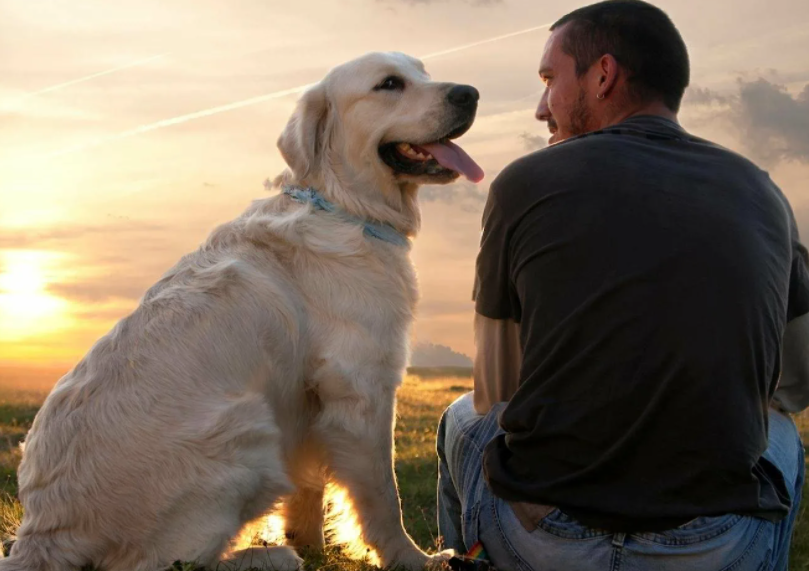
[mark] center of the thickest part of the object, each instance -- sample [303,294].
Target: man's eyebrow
[545,71]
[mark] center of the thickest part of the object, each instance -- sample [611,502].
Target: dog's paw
[275,558]
[439,560]
[418,561]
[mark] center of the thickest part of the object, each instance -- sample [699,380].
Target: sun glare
[341,527]
[26,307]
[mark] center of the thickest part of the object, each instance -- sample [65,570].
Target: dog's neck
[372,229]
[396,206]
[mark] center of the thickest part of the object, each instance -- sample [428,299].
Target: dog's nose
[463,96]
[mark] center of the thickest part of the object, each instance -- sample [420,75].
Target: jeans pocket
[561,525]
[695,531]
[724,543]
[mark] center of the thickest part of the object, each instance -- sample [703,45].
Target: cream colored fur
[262,361]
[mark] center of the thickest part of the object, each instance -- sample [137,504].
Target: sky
[130,129]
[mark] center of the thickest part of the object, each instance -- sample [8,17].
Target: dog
[262,363]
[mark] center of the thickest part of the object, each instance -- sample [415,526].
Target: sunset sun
[26,307]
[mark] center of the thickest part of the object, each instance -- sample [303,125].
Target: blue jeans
[468,512]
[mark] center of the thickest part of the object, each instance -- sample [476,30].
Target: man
[635,287]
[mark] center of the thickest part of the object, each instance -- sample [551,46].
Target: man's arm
[498,356]
[792,393]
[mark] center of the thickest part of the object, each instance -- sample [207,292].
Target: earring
[599,96]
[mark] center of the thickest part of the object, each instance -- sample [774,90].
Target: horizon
[132,131]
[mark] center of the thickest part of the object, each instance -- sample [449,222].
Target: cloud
[533,142]
[428,354]
[99,312]
[105,289]
[469,2]
[801,213]
[433,307]
[105,262]
[774,123]
[51,237]
[704,96]
[464,195]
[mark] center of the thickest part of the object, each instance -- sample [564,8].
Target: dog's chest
[377,292]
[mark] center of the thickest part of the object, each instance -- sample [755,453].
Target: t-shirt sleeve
[494,294]
[798,302]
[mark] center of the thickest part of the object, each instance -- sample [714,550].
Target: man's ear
[607,70]
[301,141]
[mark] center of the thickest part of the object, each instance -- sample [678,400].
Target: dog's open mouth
[441,159]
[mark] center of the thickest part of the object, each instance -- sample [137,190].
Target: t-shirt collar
[651,122]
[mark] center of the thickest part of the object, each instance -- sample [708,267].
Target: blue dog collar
[378,230]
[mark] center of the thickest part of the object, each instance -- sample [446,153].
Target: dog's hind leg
[41,552]
[239,476]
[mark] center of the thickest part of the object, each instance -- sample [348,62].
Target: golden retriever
[263,362]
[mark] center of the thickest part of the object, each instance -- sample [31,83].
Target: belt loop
[618,539]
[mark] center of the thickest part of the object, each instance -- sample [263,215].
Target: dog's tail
[39,553]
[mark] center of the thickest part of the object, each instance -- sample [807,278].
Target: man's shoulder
[570,162]
[591,157]
[728,156]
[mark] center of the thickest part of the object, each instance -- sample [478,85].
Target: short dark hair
[640,36]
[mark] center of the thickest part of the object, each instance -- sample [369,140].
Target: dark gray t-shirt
[652,274]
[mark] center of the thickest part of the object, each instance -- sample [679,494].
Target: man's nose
[543,112]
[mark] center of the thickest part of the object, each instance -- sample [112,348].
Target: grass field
[421,400]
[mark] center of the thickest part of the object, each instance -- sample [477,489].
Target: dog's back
[167,418]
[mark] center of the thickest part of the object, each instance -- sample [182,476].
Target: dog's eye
[391,83]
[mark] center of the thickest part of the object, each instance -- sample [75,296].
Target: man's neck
[620,115]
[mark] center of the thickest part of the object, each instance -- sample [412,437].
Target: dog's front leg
[303,518]
[358,432]
[303,509]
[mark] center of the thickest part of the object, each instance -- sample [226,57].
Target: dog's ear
[302,139]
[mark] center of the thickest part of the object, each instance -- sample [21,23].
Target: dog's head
[379,121]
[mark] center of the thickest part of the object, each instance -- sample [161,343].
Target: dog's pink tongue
[451,156]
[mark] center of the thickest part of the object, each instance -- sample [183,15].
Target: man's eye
[391,83]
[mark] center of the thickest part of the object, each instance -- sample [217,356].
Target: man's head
[608,61]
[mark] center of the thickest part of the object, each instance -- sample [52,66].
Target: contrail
[88,77]
[243,103]
[486,41]
[176,121]
[529,96]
